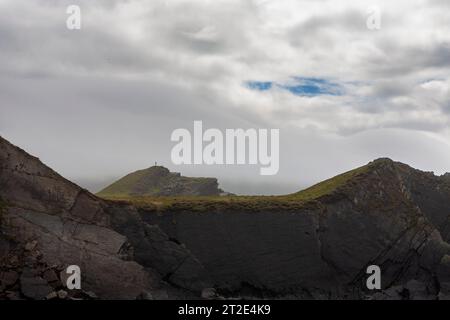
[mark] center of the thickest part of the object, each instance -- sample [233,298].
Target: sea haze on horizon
[98,103]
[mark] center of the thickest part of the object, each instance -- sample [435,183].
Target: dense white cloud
[109,94]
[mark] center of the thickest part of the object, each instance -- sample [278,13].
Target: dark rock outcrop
[388,215]
[48,223]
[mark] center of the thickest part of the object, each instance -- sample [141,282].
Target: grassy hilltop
[159,181]
[215,202]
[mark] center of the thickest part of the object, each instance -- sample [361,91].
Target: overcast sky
[100,102]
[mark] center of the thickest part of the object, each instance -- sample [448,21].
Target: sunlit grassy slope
[328,186]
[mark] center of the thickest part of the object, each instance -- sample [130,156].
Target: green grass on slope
[124,185]
[147,182]
[211,203]
[327,186]
[293,201]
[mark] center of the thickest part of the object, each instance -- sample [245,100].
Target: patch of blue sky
[301,86]
[260,85]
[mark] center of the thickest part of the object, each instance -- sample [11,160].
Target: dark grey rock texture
[390,215]
[48,222]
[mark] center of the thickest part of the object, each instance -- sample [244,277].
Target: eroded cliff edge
[49,223]
[387,214]
[291,247]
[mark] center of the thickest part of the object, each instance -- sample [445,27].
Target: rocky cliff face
[49,223]
[386,214]
[159,181]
